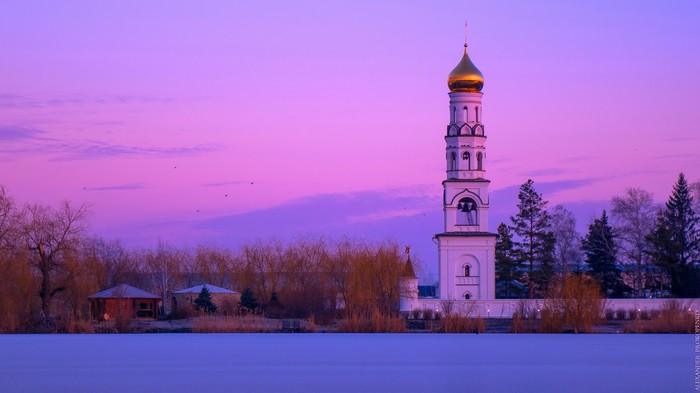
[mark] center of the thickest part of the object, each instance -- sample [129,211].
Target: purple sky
[225,121]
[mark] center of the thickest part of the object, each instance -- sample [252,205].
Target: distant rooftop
[408,269]
[212,289]
[124,291]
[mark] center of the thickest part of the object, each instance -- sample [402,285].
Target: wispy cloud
[386,215]
[27,140]
[84,150]
[226,183]
[33,102]
[545,172]
[337,210]
[674,156]
[14,133]
[505,198]
[119,187]
[682,139]
[577,159]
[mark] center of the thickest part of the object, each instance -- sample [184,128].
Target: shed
[124,301]
[223,298]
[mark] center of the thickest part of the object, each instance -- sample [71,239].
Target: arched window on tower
[466,212]
[467,271]
[479,161]
[453,115]
[466,157]
[476,109]
[466,114]
[467,295]
[453,161]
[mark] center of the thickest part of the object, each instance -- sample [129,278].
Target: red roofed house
[125,301]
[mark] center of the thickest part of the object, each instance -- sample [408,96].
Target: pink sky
[161,114]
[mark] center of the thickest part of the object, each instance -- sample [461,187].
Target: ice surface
[346,363]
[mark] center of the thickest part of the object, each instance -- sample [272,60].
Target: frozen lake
[346,363]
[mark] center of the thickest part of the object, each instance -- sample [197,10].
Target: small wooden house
[123,301]
[223,298]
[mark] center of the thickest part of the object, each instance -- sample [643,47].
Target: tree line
[640,249]
[50,263]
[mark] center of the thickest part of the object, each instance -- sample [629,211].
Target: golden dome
[465,77]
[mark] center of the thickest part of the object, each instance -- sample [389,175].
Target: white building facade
[466,250]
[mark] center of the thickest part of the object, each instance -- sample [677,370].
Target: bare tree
[695,192]
[213,264]
[7,211]
[17,284]
[567,242]
[163,265]
[634,217]
[52,235]
[117,264]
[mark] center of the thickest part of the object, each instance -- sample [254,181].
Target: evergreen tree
[601,256]
[204,302]
[248,300]
[676,243]
[509,268]
[535,247]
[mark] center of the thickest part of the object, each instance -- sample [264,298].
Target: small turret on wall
[408,289]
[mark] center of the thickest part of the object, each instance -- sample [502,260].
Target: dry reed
[376,323]
[673,317]
[244,324]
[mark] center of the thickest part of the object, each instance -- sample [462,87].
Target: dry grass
[551,320]
[520,324]
[376,323]
[79,326]
[312,323]
[123,325]
[244,324]
[574,303]
[673,317]
[461,324]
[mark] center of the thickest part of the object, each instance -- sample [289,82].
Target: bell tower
[466,250]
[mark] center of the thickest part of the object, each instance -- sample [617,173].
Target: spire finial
[465,33]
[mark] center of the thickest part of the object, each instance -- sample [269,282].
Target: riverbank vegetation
[50,263]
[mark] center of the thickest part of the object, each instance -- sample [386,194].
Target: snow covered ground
[346,363]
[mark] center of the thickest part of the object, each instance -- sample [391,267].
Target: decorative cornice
[479,247]
[467,234]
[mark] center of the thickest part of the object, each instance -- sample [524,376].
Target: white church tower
[466,249]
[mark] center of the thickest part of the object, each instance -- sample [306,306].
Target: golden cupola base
[465,77]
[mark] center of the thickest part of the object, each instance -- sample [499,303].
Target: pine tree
[509,268]
[601,256]
[535,247]
[204,302]
[248,300]
[676,242]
